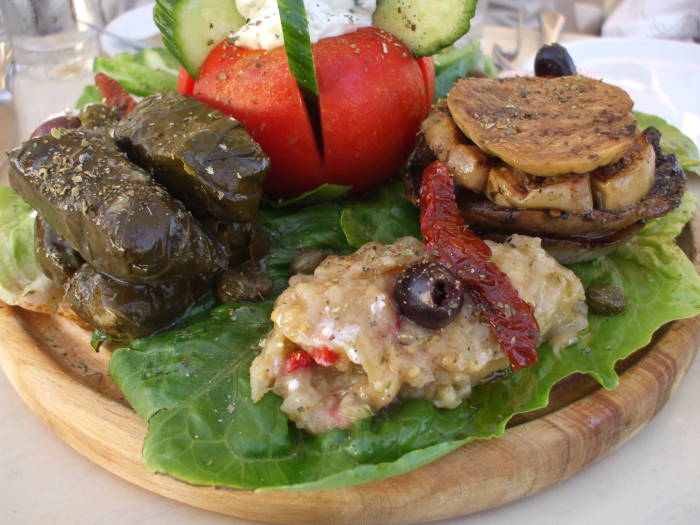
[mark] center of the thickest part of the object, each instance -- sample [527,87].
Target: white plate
[133,26]
[661,76]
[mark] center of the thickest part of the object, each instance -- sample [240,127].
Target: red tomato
[185,83]
[373,94]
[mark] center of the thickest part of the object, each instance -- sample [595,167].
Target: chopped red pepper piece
[299,360]
[447,237]
[324,356]
[115,95]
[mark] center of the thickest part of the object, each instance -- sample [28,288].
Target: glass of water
[52,38]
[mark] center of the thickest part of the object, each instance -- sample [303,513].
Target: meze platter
[253,320]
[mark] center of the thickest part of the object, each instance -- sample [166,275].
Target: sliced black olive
[429,294]
[246,282]
[606,299]
[554,61]
[306,261]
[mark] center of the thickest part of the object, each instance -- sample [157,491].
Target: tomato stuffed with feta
[373,96]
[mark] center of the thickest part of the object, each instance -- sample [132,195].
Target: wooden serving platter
[53,368]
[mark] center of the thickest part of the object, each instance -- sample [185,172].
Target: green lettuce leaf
[90,95]
[324,193]
[22,282]
[192,385]
[452,63]
[290,231]
[381,216]
[673,141]
[147,72]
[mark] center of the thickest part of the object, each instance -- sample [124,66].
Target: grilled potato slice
[626,182]
[512,188]
[545,127]
[469,166]
[467,163]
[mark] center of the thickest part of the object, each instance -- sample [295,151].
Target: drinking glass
[53,38]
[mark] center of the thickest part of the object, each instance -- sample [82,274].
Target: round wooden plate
[59,376]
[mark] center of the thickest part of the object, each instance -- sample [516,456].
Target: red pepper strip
[115,95]
[324,356]
[299,360]
[447,237]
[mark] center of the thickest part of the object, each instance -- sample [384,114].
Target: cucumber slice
[191,28]
[297,43]
[425,26]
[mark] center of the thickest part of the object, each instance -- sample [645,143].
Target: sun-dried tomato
[512,320]
[115,95]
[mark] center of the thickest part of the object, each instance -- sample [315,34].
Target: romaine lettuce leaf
[192,385]
[290,231]
[146,72]
[453,63]
[673,141]
[324,193]
[382,216]
[90,95]
[22,282]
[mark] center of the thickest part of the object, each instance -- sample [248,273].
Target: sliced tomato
[185,83]
[373,95]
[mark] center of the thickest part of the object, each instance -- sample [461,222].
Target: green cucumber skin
[164,18]
[182,33]
[410,21]
[297,42]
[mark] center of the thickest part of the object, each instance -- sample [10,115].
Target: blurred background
[670,19]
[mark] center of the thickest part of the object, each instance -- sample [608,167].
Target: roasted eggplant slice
[131,310]
[57,259]
[538,125]
[204,157]
[111,211]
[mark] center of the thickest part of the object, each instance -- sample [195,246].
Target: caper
[306,261]
[247,282]
[554,61]
[429,294]
[606,299]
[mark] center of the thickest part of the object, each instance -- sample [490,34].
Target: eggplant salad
[418,297]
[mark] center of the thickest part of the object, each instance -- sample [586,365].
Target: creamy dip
[327,18]
[347,307]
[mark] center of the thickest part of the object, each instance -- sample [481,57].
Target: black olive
[554,61]
[247,282]
[57,122]
[606,299]
[429,294]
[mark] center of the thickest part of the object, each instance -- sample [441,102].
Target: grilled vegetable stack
[559,158]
